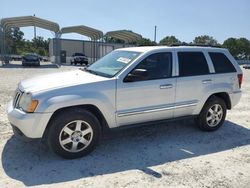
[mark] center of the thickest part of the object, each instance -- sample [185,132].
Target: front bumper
[31,125]
[31,62]
[80,60]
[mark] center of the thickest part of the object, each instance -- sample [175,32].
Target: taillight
[240,78]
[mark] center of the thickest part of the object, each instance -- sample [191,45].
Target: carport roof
[92,33]
[125,35]
[26,21]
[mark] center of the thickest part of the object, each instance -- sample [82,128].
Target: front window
[78,54]
[112,63]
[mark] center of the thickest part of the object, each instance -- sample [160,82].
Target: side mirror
[136,75]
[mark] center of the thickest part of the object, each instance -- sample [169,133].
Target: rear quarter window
[221,63]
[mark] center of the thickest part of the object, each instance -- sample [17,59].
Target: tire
[212,115]
[74,135]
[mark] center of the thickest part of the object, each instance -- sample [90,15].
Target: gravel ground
[176,154]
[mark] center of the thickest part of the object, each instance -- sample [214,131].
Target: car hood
[58,80]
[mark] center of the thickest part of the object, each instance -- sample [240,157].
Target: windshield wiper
[91,71]
[96,72]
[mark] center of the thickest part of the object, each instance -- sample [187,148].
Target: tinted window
[221,63]
[78,54]
[156,66]
[192,64]
[30,57]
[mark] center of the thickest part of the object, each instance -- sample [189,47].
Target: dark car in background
[31,60]
[79,58]
[246,66]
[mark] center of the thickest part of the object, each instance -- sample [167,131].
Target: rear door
[193,81]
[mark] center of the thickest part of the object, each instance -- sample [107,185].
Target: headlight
[27,104]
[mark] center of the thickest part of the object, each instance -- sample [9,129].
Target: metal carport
[125,35]
[92,33]
[26,21]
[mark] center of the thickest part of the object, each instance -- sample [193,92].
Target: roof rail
[201,45]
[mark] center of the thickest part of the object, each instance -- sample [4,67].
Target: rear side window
[192,64]
[221,63]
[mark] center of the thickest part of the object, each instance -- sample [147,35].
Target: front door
[147,93]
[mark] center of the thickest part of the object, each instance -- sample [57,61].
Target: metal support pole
[1,45]
[155,34]
[102,46]
[4,55]
[58,48]
[34,30]
[92,56]
[95,49]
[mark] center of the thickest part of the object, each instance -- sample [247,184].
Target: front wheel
[74,135]
[213,114]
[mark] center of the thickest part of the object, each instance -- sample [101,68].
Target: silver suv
[128,86]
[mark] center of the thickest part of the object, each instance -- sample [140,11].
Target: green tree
[112,40]
[13,39]
[145,42]
[205,40]
[169,40]
[244,48]
[231,45]
[239,48]
[41,46]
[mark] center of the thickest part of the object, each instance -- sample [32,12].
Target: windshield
[78,54]
[31,57]
[112,63]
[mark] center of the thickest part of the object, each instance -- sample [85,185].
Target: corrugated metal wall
[93,50]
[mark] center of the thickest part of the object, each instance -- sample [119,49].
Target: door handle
[166,86]
[206,81]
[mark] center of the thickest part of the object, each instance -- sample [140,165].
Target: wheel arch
[89,107]
[224,96]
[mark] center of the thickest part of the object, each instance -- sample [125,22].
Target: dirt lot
[167,155]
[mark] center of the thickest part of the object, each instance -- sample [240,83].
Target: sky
[184,19]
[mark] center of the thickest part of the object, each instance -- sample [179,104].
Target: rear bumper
[31,125]
[235,98]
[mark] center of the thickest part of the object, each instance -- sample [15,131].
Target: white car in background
[79,58]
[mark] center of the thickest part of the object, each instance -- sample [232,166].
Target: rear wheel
[213,114]
[74,135]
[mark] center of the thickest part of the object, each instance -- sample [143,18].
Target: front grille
[17,98]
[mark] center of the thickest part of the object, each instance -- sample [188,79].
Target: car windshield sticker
[123,60]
